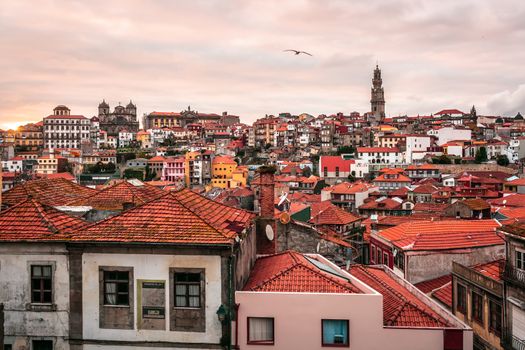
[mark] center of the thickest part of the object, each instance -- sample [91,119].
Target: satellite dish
[282,199]
[269,232]
[318,247]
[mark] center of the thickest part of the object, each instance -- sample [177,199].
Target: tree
[481,155]
[345,150]
[443,159]
[502,160]
[307,172]
[134,174]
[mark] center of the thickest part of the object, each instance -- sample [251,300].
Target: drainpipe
[230,300]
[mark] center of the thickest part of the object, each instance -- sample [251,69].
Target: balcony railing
[511,342]
[514,275]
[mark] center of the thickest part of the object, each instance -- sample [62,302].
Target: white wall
[22,324]
[153,267]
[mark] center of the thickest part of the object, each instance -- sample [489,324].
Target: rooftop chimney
[266,230]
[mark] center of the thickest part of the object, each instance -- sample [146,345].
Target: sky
[228,56]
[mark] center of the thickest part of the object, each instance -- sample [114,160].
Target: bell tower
[377,100]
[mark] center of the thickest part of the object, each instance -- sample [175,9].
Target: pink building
[173,169]
[297,301]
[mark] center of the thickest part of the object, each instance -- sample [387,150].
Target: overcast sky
[227,56]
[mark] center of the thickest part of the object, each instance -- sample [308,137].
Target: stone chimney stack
[266,230]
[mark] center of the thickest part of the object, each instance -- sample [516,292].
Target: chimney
[266,228]
[266,191]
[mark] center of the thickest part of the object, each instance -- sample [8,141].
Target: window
[477,307]
[335,333]
[116,287]
[188,290]
[42,345]
[495,317]
[261,330]
[385,258]
[337,171]
[325,171]
[41,284]
[520,259]
[373,257]
[461,302]
[399,260]
[8,346]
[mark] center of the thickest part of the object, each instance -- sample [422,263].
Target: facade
[63,130]
[51,164]
[478,301]
[173,170]
[30,136]
[122,118]
[423,250]
[514,286]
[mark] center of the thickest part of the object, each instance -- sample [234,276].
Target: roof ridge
[43,216]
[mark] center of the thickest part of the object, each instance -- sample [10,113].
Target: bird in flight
[297,52]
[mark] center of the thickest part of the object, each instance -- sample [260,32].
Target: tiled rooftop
[33,221]
[401,307]
[54,192]
[293,272]
[177,217]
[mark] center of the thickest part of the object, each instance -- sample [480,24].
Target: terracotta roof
[33,221]
[492,269]
[398,178]
[333,215]
[433,284]
[401,308]
[444,294]
[53,192]
[349,188]
[65,117]
[384,204]
[517,182]
[294,272]
[449,111]
[65,176]
[156,159]
[116,196]
[442,235]
[476,204]
[512,200]
[425,189]
[437,208]
[178,217]
[422,167]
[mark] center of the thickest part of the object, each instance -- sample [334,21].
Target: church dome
[130,105]
[103,104]
[518,116]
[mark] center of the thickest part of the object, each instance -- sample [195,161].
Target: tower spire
[377,100]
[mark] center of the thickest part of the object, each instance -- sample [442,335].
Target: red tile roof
[332,215]
[444,294]
[116,196]
[397,178]
[492,269]
[512,200]
[33,221]
[443,235]
[384,204]
[53,192]
[178,217]
[435,283]
[401,307]
[293,272]
[349,188]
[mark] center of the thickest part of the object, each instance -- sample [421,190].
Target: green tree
[443,159]
[481,155]
[502,160]
[133,174]
[307,172]
[345,150]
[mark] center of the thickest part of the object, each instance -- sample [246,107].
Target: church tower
[378,96]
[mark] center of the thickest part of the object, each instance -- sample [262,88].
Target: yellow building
[226,173]
[144,138]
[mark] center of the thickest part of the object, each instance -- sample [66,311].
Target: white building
[516,149]
[63,130]
[125,137]
[380,157]
[449,133]
[416,143]
[15,164]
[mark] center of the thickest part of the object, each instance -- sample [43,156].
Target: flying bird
[297,52]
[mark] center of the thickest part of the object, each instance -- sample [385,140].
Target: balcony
[514,276]
[512,342]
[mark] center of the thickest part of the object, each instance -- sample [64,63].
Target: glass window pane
[194,301]
[180,301]
[37,271]
[180,289]
[35,284]
[335,332]
[122,287]
[46,271]
[122,299]
[47,297]
[260,330]
[47,284]
[194,290]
